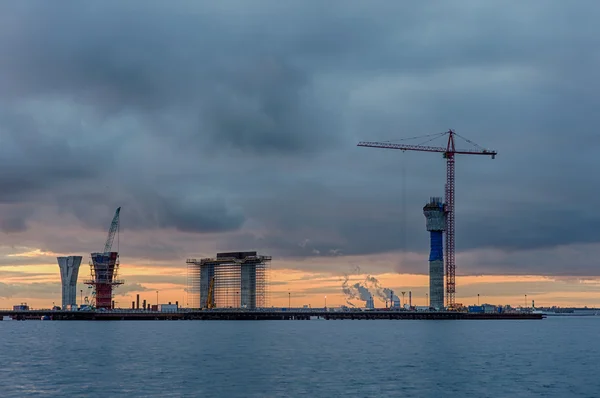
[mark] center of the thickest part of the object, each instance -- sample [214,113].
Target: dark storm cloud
[150,209]
[157,59]
[34,161]
[237,117]
[13,223]
[525,227]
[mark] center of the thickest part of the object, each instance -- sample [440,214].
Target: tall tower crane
[448,152]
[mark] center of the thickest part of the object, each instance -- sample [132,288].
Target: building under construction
[231,280]
[104,267]
[69,271]
[435,216]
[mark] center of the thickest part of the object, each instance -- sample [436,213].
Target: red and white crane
[449,151]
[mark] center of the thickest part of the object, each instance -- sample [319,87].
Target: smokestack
[133,305]
[144,305]
[177,304]
[137,298]
[409,299]
[113,305]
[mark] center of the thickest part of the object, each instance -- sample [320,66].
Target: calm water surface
[556,357]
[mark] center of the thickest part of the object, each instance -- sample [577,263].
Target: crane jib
[421,148]
[114,225]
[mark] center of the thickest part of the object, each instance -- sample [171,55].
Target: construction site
[104,269]
[104,275]
[230,280]
[239,281]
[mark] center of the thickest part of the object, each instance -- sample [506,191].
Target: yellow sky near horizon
[38,285]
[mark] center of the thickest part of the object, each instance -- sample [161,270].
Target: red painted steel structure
[449,151]
[104,269]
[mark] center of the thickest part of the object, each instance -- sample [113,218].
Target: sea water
[554,357]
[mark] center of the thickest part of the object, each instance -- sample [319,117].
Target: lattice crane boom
[449,151]
[423,148]
[114,225]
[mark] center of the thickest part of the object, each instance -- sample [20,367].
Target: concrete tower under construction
[69,271]
[435,216]
[233,279]
[104,268]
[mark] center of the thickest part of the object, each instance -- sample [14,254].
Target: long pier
[239,315]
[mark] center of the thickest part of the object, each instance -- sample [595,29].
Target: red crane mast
[448,152]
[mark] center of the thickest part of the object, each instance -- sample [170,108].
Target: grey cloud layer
[243,121]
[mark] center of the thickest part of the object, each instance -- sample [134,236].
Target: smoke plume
[388,293]
[348,290]
[356,291]
[383,293]
[363,291]
[374,286]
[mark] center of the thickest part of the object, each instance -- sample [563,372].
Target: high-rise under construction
[69,271]
[435,216]
[231,280]
[104,267]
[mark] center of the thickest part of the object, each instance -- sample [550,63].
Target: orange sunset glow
[39,284]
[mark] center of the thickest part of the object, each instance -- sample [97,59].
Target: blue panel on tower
[437,246]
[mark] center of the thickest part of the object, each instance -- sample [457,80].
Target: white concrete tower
[69,271]
[435,217]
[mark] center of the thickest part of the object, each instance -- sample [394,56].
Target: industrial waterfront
[275,199]
[235,284]
[241,279]
[255,315]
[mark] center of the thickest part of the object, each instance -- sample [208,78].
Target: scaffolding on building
[239,280]
[104,270]
[193,284]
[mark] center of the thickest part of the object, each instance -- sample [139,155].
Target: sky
[232,125]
